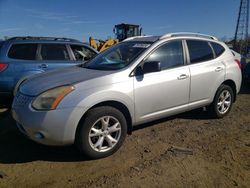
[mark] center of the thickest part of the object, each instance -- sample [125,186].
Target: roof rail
[43,38]
[181,34]
[131,38]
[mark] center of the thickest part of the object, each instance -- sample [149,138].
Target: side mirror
[138,71]
[151,66]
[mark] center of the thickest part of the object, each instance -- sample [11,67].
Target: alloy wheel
[224,102]
[105,133]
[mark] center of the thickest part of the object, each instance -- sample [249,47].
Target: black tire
[214,109]
[84,141]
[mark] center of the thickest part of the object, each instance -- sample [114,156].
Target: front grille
[21,100]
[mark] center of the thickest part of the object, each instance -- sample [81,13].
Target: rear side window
[82,53]
[218,49]
[199,51]
[23,51]
[54,52]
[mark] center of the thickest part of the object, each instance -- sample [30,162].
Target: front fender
[86,99]
[100,97]
[90,98]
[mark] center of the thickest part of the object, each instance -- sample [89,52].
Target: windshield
[118,56]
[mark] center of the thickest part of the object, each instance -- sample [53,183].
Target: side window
[170,55]
[82,52]
[23,51]
[199,51]
[218,49]
[54,52]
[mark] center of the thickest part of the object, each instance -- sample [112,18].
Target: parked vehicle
[240,58]
[245,67]
[246,73]
[21,57]
[122,31]
[136,81]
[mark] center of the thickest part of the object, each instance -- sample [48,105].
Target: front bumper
[55,127]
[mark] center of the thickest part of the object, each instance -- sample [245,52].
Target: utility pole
[241,32]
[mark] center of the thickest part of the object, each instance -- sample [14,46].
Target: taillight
[239,64]
[3,66]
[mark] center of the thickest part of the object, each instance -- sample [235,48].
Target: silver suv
[139,80]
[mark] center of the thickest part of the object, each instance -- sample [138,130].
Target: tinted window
[54,52]
[82,52]
[199,51]
[170,55]
[218,49]
[23,51]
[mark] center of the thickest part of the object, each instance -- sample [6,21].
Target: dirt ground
[221,155]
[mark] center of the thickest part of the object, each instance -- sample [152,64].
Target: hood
[51,79]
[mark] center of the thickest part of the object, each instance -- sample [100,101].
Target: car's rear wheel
[102,132]
[223,101]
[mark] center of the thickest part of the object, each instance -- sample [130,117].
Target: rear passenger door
[52,56]
[206,69]
[21,63]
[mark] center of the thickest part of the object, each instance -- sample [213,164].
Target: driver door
[159,94]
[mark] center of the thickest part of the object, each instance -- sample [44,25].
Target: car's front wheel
[223,101]
[102,132]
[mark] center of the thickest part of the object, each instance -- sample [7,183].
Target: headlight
[50,99]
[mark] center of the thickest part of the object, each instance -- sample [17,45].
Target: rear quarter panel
[233,72]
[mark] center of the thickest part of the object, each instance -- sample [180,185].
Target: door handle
[218,69]
[43,66]
[182,77]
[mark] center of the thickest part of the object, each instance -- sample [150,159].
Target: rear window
[199,51]
[54,52]
[23,51]
[218,49]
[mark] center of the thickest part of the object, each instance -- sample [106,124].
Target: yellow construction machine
[122,31]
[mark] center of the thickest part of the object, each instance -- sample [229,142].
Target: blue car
[22,57]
